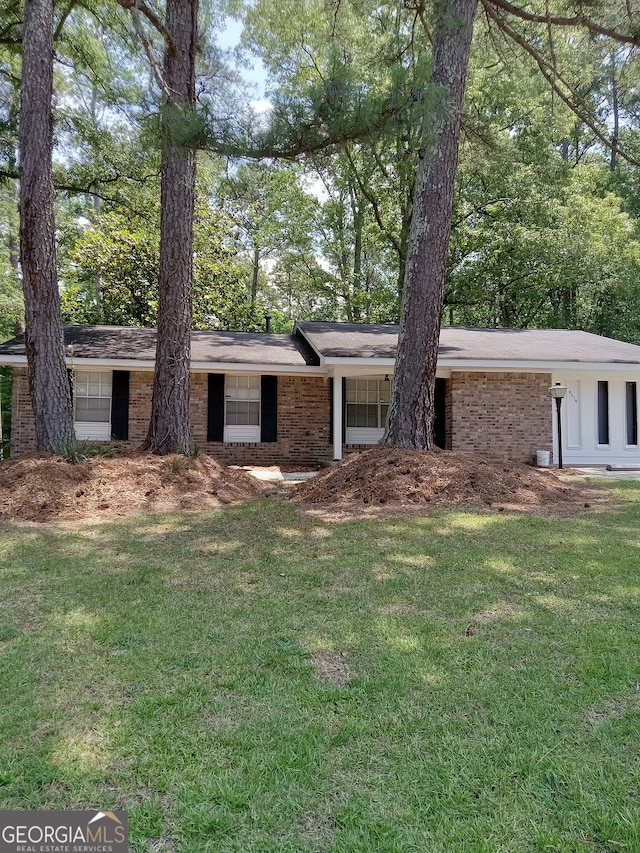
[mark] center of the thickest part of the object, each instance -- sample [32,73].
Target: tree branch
[154,63]
[552,77]
[150,15]
[374,205]
[561,21]
[481,208]
[264,149]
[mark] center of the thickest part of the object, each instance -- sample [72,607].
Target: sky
[255,73]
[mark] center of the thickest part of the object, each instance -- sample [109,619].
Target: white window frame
[93,430]
[382,393]
[238,388]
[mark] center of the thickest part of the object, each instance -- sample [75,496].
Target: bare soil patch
[46,488]
[332,668]
[384,478]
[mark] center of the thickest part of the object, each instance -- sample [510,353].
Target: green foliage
[192,451]
[122,254]
[542,244]
[11,300]
[74,450]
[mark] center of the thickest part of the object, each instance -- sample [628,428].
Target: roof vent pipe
[267,323]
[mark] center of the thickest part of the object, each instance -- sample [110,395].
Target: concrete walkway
[274,475]
[600,472]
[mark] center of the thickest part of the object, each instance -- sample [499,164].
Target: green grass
[489,697]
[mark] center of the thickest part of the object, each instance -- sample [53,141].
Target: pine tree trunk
[411,414]
[169,428]
[44,338]
[615,107]
[254,273]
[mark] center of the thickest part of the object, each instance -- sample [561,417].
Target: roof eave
[196,366]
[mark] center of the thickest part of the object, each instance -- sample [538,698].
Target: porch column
[337,415]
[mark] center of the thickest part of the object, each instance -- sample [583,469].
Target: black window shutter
[269,408]
[331,410]
[344,410]
[215,407]
[120,405]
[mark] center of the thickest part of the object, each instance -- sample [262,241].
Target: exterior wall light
[558,391]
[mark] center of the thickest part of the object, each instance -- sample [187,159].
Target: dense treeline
[545,227]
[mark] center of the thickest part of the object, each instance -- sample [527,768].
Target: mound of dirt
[384,476]
[45,488]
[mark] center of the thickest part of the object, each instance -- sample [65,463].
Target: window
[632,413]
[367,404]
[92,404]
[242,408]
[603,413]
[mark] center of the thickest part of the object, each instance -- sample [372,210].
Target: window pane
[92,409]
[385,387]
[100,404]
[372,416]
[242,413]
[632,413]
[350,390]
[242,387]
[93,384]
[603,413]
[384,409]
[80,384]
[351,415]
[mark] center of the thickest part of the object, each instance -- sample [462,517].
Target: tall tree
[272,212]
[169,427]
[48,381]
[124,253]
[410,422]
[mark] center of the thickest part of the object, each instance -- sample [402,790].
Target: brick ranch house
[313,395]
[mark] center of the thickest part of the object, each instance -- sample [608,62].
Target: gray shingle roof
[355,340]
[350,340]
[126,343]
[344,340]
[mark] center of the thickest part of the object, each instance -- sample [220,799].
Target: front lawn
[252,679]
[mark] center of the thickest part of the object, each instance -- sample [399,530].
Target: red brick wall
[501,414]
[303,425]
[303,421]
[140,390]
[23,428]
